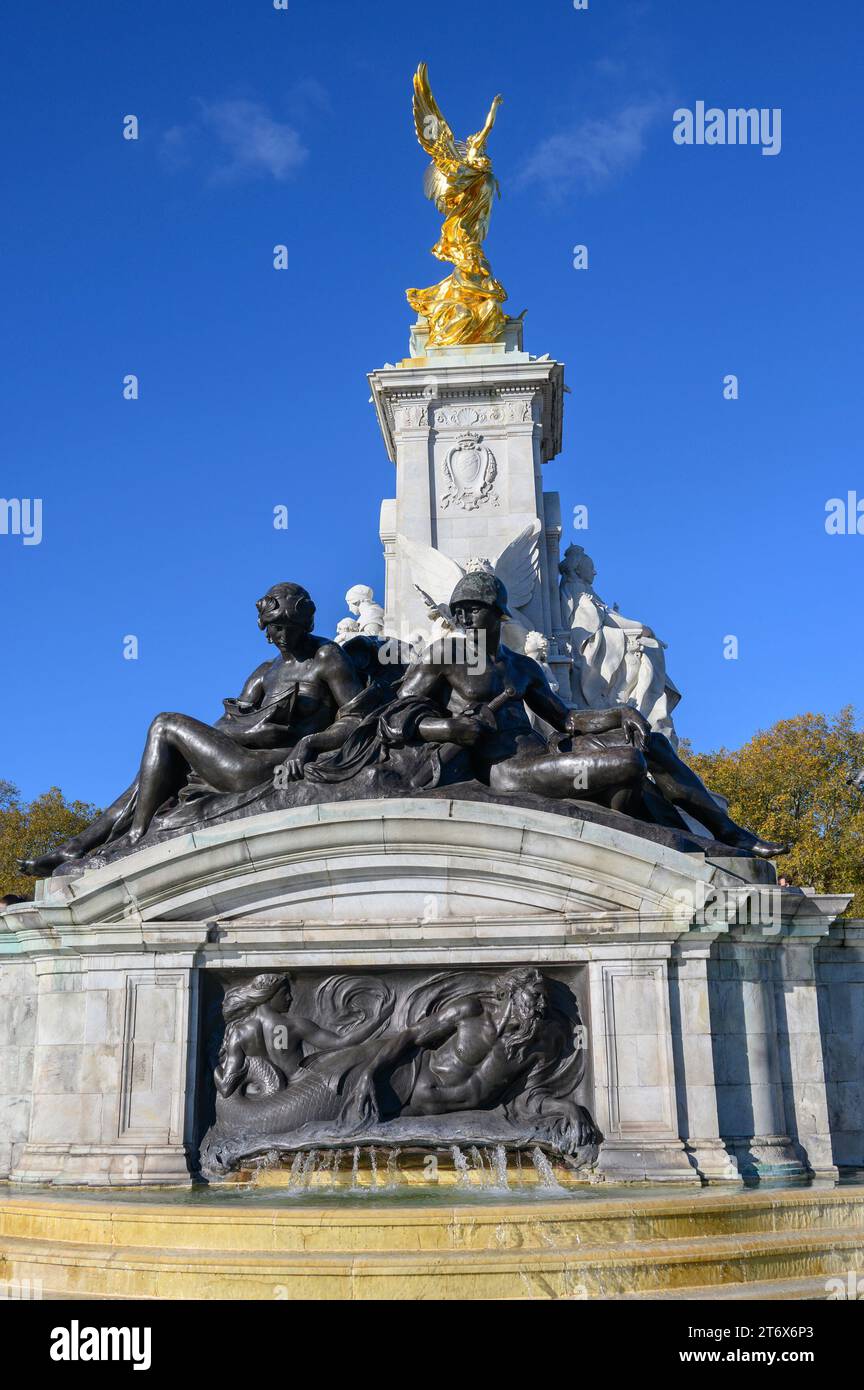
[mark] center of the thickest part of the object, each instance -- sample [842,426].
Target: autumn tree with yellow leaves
[792,782]
[30,828]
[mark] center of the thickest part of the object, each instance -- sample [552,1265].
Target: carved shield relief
[469,470]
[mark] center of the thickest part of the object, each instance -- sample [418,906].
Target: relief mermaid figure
[263,1044]
[297,694]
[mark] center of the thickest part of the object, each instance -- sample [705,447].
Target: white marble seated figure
[369,615]
[616,660]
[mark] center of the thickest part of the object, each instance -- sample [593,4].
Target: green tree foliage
[791,782]
[31,828]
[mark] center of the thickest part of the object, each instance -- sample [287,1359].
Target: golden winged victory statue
[466,307]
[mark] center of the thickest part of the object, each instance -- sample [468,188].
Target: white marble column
[751,1105]
[18,999]
[698,1120]
[840,982]
[802,1061]
[634,1076]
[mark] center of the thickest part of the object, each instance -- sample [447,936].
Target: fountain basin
[593,1245]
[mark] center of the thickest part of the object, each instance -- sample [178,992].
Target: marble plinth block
[715,1051]
[469,430]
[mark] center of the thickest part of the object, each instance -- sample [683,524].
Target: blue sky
[259,127]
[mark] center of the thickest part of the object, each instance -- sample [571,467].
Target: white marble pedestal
[469,430]
[712,1049]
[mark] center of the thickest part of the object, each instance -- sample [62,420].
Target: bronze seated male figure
[473,694]
[322,721]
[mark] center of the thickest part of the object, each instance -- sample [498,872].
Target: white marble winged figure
[435,576]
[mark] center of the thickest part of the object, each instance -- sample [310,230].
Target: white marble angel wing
[430,570]
[519,564]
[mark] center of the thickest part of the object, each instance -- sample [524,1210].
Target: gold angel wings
[466,306]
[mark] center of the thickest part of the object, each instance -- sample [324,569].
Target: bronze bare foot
[766,849]
[760,849]
[44,866]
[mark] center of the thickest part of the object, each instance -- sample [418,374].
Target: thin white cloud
[310,95]
[592,153]
[235,140]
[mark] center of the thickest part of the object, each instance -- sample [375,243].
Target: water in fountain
[391,1179]
[460,1163]
[520,1173]
[479,1169]
[499,1163]
[545,1171]
[377,1171]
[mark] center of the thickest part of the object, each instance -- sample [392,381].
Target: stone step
[758,1290]
[575,1273]
[364,1225]
[58,1296]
